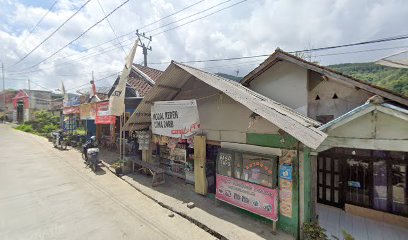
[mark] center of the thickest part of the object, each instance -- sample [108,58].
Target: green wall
[289,225]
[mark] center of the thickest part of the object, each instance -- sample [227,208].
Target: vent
[317,97]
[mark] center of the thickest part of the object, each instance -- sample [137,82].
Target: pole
[4,92]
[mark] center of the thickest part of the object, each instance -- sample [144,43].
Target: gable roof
[280,55]
[140,81]
[302,128]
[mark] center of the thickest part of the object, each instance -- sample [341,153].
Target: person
[91,143]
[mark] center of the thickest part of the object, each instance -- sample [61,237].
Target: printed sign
[178,119]
[87,111]
[70,110]
[103,114]
[251,197]
[285,172]
[285,197]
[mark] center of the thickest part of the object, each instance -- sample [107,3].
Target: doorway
[329,185]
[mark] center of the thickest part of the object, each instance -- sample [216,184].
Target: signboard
[178,119]
[70,110]
[103,114]
[251,197]
[87,111]
[72,101]
[285,172]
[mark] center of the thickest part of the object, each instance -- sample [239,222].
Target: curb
[192,220]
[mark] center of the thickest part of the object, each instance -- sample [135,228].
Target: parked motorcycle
[59,141]
[90,153]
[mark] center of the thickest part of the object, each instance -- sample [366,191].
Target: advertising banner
[87,111]
[178,119]
[70,110]
[103,114]
[257,199]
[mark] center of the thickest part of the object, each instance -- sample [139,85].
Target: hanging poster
[87,111]
[70,110]
[177,119]
[285,182]
[103,114]
[251,197]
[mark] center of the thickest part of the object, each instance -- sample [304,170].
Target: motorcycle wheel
[94,167]
[64,146]
[84,156]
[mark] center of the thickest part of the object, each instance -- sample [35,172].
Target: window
[250,167]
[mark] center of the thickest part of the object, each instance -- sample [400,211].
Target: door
[329,185]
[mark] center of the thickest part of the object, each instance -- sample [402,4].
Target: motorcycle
[90,153]
[59,141]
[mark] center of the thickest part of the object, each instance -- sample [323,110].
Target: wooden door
[199,165]
[329,183]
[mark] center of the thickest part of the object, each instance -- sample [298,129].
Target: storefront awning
[176,75]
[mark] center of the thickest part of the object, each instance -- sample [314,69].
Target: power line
[82,34]
[192,15]
[181,10]
[110,25]
[162,26]
[38,23]
[50,35]
[126,34]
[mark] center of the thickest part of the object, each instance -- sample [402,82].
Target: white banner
[117,99]
[178,119]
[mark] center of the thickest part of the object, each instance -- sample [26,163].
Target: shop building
[26,102]
[361,166]
[107,127]
[257,149]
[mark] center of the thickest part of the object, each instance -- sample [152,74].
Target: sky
[248,28]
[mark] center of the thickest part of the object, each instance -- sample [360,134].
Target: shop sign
[70,110]
[73,101]
[178,119]
[103,114]
[87,111]
[251,197]
[285,172]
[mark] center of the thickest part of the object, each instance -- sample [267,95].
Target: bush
[49,128]
[25,128]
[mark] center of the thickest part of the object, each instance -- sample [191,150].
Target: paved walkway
[334,220]
[46,193]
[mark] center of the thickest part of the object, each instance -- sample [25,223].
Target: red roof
[139,82]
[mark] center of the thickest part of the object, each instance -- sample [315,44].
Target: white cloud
[251,28]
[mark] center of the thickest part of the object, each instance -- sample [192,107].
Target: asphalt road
[46,193]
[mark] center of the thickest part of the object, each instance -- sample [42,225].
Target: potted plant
[117,166]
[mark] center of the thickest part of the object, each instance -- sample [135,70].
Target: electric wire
[110,25]
[50,35]
[39,22]
[82,34]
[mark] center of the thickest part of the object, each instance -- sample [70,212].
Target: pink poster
[251,197]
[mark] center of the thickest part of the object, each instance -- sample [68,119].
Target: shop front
[362,166]
[249,151]
[105,125]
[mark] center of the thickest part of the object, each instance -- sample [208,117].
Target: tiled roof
[154,74]
[139,83]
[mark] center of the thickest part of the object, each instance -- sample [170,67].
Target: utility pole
[4,92]
[144,46]
[29,85]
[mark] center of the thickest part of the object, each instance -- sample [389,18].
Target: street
[46,193]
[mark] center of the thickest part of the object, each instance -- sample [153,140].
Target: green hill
[393,79]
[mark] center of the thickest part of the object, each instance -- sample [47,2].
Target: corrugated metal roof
[176,75]
[282,55]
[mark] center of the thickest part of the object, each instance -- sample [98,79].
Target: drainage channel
[190,219]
